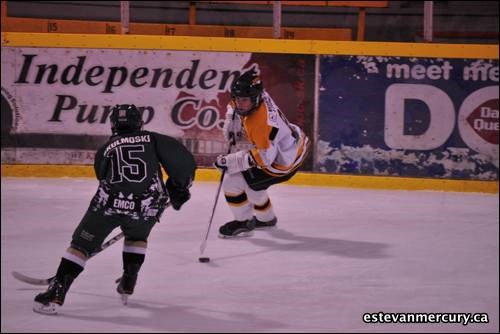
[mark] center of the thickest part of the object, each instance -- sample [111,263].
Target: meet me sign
[409,116]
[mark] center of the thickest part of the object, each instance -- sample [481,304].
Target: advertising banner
[413,117]
[58,100]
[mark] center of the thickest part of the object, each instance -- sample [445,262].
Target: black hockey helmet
[125,118]
[248,85]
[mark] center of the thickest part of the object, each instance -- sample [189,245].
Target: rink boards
[301,178]
[380,115]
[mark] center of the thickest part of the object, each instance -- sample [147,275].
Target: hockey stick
[204,243]
[47,281]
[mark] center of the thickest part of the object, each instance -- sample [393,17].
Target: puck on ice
[204,259]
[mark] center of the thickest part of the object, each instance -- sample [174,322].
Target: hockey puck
[204,259]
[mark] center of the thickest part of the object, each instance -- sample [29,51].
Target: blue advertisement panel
[412,117]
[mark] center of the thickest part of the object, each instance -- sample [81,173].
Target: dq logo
[477,118]
[484,120]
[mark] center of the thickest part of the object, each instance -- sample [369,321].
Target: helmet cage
[255,104]
[247,85]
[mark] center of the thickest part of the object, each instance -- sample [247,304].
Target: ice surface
[337,254]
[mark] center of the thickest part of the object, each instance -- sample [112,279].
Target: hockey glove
[235,162]
[178,196]
[232,126]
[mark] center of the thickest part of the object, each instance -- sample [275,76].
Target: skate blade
[124,298]
[274,227]
[50,309]
[237,236]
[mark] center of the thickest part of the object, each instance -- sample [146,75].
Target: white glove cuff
[238,162]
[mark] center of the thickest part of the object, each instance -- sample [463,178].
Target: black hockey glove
[178,196]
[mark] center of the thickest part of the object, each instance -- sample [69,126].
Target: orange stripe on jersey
[267,171]
[256,156]
[257,129]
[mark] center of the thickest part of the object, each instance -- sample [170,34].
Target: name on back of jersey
[128,140]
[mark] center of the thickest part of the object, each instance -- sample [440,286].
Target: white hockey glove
[235,162]
[232,126]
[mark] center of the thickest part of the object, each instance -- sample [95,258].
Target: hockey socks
[132,263]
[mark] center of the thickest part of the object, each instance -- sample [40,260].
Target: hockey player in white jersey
[278,150]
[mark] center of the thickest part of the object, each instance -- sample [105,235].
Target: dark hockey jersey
[130,177]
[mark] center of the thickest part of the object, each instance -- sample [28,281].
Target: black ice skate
[51,300]
[126,286]
[237,228]
[265,225]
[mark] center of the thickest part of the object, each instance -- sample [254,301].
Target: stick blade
[31,280]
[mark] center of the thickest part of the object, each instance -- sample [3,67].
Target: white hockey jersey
[279,147]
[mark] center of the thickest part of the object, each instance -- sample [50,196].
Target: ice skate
[271,224]
[237,228]
[51,300]
[126,287]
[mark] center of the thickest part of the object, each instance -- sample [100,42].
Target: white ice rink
[337,254]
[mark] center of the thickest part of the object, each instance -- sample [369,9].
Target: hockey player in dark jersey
[131,195]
